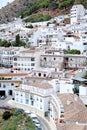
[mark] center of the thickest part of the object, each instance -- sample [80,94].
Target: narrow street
[44,124]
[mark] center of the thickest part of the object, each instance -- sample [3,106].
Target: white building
[35,95]
[83,93]
[7,54]
[27,60]
[77,11]
[9,81]
[66,86]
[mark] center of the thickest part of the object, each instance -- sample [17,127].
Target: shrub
[6,115]
[29,26]
[66,3]
[73,51]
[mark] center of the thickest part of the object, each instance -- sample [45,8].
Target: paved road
[3,102]
[44,124]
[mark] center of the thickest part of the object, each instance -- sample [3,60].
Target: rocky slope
[25,8]
[9,12]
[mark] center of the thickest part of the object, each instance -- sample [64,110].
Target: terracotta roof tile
[72,127]
[39,85]
[74,109]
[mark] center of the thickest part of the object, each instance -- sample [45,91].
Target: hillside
[12,10]
[26,8]
[17,120]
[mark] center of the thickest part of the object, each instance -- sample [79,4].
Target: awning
[7,77]
[16,84]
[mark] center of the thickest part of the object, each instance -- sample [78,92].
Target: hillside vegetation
[26,8]
[16,120]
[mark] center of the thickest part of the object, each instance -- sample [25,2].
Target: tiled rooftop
[75,110]
[72,127]
[40,85]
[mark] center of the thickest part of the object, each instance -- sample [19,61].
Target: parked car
[3,97]
[37,124]
[33,116]
[35,120]
[20,110]
[39,128]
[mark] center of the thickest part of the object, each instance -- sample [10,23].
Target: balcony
[62,116]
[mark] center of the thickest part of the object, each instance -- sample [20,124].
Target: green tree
[73,51]
[29,26]
[17,40]
[6,115]
[66,3]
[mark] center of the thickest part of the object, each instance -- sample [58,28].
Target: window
[17,94]
[15,59]
[12,84]
[32,103]
[34,74]
[12,52]
[40,100]
[84,43]
[45,58]
[39,74]
[32,64]
[21,94]
[27,101]
[44,75]
[71,59]
[31,97]
[4,86]
[32,59]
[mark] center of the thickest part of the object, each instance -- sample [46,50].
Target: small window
[12,84]
[32,59]
[32,102]
[32,64]
[27,101]
[21,95]
[17,94]
[45,58]
[15,59]
[39,74]
[34,74]
[40,100]
[4,86]
[44,75]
